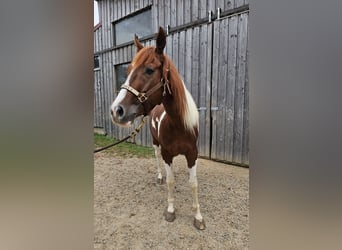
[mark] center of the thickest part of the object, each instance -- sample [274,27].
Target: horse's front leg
[170,180]
[158,157]
[198,221]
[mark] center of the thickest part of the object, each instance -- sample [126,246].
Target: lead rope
[132,135]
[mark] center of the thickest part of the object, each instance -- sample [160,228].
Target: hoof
[200,225]
[160,181]
[170,217]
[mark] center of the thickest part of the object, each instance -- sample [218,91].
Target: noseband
[143,96]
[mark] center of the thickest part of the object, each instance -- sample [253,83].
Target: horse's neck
[172,110]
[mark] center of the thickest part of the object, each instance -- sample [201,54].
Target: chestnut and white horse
[155,88]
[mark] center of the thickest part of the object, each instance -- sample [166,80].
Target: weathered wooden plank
[194,10]
[123,6]
[195,65]
[245,143]
[229,5]
[111,17]
[128,7]
[101,39]
[102,117]
[148,137]
[167,13]
[95,41]
[105,91]
[209,87]
[187,9]
[124,54]
[239,3]
[98,40]
[221,88]
[96,95]
[173,13]
[115,12]
[129,53]
[160,17]
[240,91]
[136,4]
[108,44]
[104,25]
[155,16]
[230,105]
[220,4]
[111,85]
[107,97]
[121,55]
[116,130]
[211,6]
[181,54]
[204,129]
[168,48]
[119,7]
[175,46]
[180,12]
[202,11]
[188,61]
[214,97]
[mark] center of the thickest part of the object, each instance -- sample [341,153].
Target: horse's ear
[137,43]
[161,41]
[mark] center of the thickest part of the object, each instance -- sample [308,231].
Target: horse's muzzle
[122,115]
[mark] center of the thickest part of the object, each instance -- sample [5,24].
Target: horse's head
[145,85]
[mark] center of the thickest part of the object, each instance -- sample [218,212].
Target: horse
[155,88]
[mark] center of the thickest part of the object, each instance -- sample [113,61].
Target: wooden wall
[212,59]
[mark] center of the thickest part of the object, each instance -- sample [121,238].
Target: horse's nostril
[119,111]
[111,112]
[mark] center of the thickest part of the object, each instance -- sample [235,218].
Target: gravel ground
[129,205]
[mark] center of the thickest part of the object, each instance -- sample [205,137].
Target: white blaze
[122,93]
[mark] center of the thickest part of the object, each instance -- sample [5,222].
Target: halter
[143,96]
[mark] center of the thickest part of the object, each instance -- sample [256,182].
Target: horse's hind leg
[198,221]
[158,157]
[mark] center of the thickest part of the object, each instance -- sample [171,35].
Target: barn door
[229,94]
[212,58]
[190,50]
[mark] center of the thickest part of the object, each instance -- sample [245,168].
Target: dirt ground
[129,205]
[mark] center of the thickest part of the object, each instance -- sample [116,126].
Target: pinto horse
[154,87]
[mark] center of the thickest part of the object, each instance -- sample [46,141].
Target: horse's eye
[149,71]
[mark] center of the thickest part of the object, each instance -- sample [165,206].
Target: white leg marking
[170,180]
[194,187]
[160,121]
[122,93]
[158,157]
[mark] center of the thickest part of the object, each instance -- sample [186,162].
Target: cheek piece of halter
[143,96]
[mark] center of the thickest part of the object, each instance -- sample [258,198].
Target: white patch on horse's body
[194,187]
[122,94]
[160,121]
[191,112]
[153,124]
[170,180]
